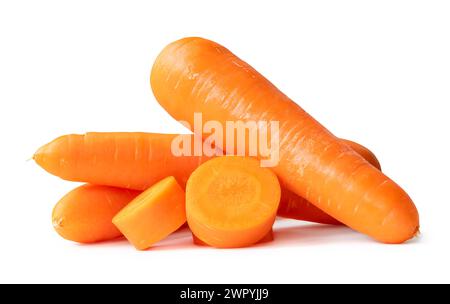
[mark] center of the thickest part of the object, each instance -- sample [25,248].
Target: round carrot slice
[231,201]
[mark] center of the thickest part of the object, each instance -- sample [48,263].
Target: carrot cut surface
[196,75]
[231,201]
[84,214]
[267,238]
[153,215]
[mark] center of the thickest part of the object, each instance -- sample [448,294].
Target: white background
[377,72]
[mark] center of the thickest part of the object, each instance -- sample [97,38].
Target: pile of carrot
[138,189]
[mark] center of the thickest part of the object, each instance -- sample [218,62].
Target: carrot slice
[84,214]
[231,201]
[195,75]
[153,215]
[266,239]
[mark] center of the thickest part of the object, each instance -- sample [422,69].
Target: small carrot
[153,215]
[84,214]
[231,201]
[195,75]
[137,160]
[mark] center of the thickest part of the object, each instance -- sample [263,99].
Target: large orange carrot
[295,207]
[84,214]
[112,158]
[231,201]
[197,75]
[154,214]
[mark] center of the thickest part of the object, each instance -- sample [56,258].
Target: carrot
[137,160]
[296,207]
[195,75]
[128,160]
[84,214]
[153,215]
[266,239]
[231,201]
[364,152]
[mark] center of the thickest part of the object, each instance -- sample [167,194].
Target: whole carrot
[195,75]
[138,160]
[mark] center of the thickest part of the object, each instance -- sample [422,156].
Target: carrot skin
[84,214]
[130,160]
[195,75]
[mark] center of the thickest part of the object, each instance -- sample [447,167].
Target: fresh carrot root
[195,75]
[296,207]
[231,201]
[84,214]
[153,215]
[128,160]
[266,239]
[137,160]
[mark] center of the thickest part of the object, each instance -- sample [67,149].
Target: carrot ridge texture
[231,201]
[84,214]
[153,215]
[195,75]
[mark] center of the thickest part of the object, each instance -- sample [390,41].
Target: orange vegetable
[266,239]
[295,207]
[128,160]
[137,160]
[195,75]
[364,152]
[153,215]
[231,201]
[84,214]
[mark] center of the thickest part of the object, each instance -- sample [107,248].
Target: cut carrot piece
[195,75]
[231,201]
[265,239]
[84,214]
[153,215]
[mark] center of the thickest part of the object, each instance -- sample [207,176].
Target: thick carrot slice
[195,75]
[84,214]
[266,239]
[153,215]
[137,160]
[231,201]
